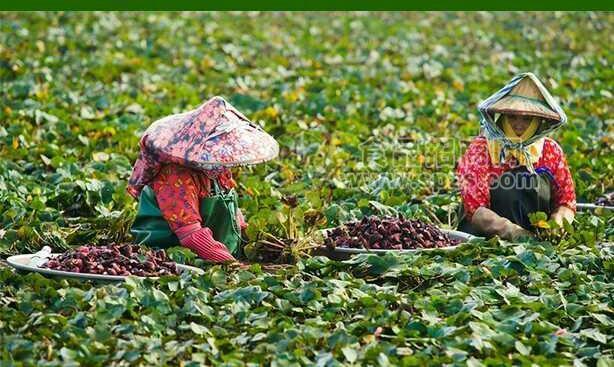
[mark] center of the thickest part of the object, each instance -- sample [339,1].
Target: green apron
[218,212]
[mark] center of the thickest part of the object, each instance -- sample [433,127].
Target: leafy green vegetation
[371,112]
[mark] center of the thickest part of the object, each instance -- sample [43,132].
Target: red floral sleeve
[179,191]
[564,189]
[472,174]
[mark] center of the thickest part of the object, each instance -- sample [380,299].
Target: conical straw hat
[213,135]
[526,99]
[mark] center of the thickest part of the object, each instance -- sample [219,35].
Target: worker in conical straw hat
[513,169]
[183,184]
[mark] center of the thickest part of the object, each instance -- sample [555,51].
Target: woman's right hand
[514,232]
[491,224]
[206,247]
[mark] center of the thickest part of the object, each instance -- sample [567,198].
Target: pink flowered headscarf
[210,138]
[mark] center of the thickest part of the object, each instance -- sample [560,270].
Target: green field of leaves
[371,111]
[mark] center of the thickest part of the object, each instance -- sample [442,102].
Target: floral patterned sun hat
[213,135]
[211,138]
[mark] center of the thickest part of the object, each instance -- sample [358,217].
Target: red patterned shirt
[475,173]
[179,191]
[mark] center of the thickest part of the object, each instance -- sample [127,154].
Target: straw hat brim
[518,105]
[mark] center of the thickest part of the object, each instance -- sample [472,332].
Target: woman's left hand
[241,219]
[561,214]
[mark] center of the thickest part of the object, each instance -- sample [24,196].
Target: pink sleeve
[472,174]
[144,170]
[564,188]
[178,193]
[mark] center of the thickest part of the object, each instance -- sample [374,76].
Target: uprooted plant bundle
[290,246]
[388,234]
[114,259]
[271,249]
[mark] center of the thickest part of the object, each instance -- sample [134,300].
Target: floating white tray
[455,235]
[25,262]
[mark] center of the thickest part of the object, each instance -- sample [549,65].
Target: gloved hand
[562,213]
[241,219]
[513,231]
[491,224]
[201,241]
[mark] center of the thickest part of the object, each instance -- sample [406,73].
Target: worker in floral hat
[183,183]
[512,169]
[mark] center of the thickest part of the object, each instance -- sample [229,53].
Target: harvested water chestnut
[388,233]
[114,259]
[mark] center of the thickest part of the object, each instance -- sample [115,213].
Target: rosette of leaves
[547,229]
